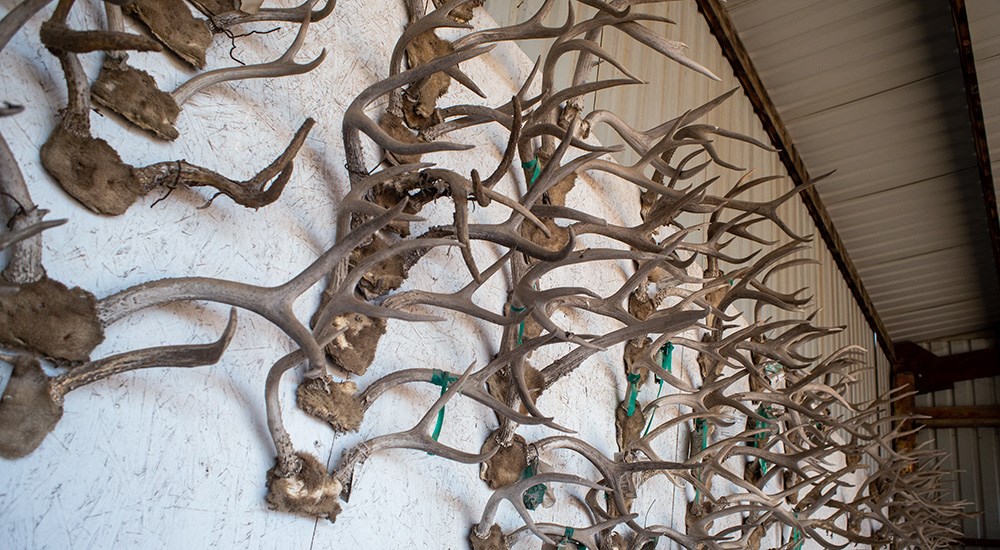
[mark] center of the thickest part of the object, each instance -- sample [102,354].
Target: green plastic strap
[520,328]
[668,357]
[667,363]
[568,537]
[535,494]
[797,536]
[701,427]
[533,163]
[441,378]
[761,438]
[633,392]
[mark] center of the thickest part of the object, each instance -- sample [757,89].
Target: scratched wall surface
[176,458]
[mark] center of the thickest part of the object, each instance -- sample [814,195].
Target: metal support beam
[961,21]
[732,47]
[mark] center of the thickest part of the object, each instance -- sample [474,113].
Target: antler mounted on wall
[589,313]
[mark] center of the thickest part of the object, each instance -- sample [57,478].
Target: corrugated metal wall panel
[672,90]
[975,452]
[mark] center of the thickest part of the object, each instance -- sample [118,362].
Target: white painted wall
[176,459]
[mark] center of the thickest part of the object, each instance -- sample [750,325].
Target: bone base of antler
[48,318]
[355,349]
[506,467]
[133,93]
[32,402]
[333,402]
[309,492]
[28,413]
[628,429]
[90,170]
[172,23]
[494,539]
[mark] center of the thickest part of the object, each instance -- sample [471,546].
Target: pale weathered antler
[32,402]
[416,438]
[274,303]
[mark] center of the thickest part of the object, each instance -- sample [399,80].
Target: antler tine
[506,235]
[613,306]
[472,391]
[188,355]
[24,425]
[460,301]
[672,324]
[274,303]
[563,46]
[439,18]
[416,438]
[288,462]
[549,103]
[355,120]
[57,36]
[517,372]
[529,29]
[509,153]
[614,472]
[477,112]
[638,237]
[535,301]
[460,189]
[13,237]
[590,533]
[701,131]
[298,14]
[283,66]
[671,49]
[513,494]
[24,264]
[344,299]
[262,189]
[644,443]
[354,201]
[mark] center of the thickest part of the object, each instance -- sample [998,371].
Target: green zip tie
[441,378]
[633,392]
[533,163]
[761,438]
[533,497]
[568,538]
[520,328]
[700,426]
[797,536]
[667,363]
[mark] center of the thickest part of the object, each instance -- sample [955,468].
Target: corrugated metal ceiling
[984,26]
[874,89]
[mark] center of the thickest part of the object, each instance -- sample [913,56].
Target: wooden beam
[932,373]
[943,373]
[732,47]
[961,21]
[981,416]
